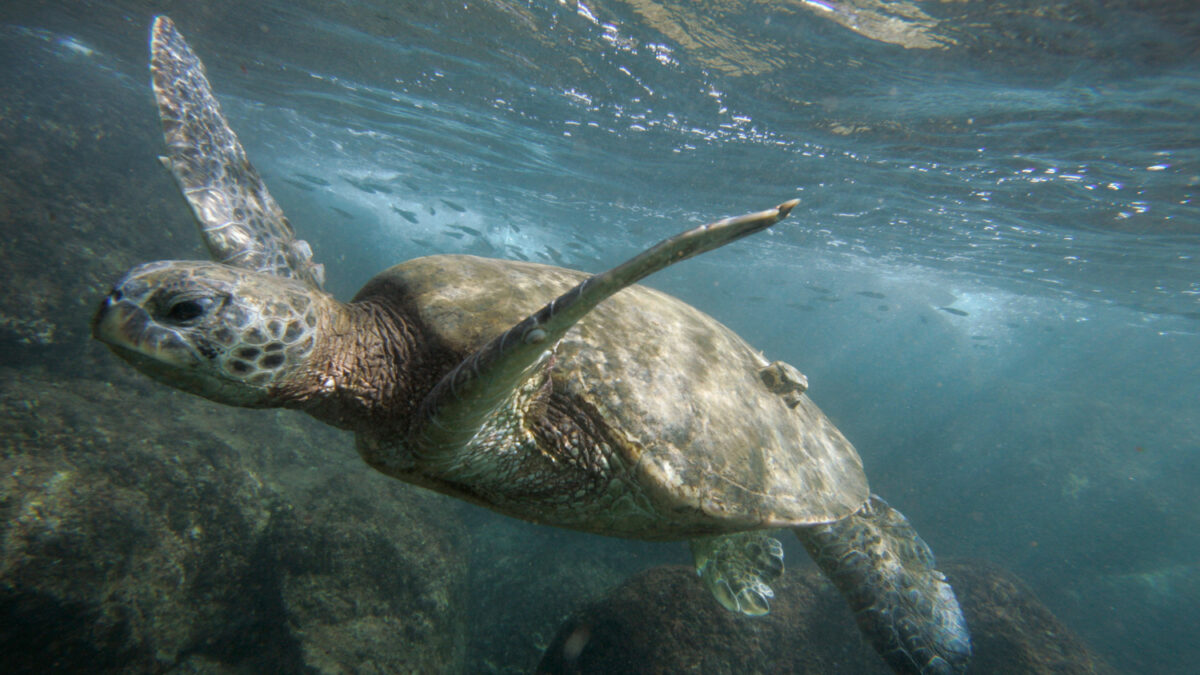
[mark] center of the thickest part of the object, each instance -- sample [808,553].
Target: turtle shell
[700,422]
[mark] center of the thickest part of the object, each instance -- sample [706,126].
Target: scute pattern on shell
[701,434]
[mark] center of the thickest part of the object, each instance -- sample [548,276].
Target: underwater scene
[990,284]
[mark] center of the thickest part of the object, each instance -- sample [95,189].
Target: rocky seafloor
[663,621]
[158,533]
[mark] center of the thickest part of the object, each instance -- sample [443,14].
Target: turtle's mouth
[163,353]
[134,336]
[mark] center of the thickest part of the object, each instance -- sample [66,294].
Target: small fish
[829,298]
[819,289]
[802,307]
[368,187]
[883,308]
[872,294]
[313,179]
[423,243]
[407,215]
[955,312]
[457,207]
[453,235]
[979,337]
[469,230]
[345,214]
[755,298]
[360,185]
[432,168]
[299,184]
[410,185]
[556,255]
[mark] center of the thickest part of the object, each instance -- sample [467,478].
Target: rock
[664,621]
[1012,631]
[526,580]
[148,531]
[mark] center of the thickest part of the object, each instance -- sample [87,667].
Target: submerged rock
[526,580]
[1012,631]
[664,621]
[147,531]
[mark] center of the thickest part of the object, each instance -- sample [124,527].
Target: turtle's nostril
[115,296]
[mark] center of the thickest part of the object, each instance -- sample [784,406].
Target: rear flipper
[738,569]
[902,604]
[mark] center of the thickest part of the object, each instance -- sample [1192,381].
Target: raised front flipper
[467,397]
[240,221]
[738,569]
[902,604]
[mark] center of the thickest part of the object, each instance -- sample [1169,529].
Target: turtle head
[221,332]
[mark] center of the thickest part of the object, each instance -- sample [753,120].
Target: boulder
[142,530]
[664,621]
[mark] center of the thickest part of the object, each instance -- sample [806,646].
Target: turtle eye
[185,310]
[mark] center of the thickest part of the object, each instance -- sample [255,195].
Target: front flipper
[902,604]
[240,221]
[463,401]
[738,569]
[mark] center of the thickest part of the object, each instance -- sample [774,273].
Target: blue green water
[992,281]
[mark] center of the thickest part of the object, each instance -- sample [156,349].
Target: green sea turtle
[543,393]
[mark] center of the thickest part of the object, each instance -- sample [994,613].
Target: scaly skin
[221,332]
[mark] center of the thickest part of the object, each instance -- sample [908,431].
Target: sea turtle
[543,393]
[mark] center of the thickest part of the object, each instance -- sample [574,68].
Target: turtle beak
[129,330]
[112,323]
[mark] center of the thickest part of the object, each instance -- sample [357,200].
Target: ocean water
[992,280]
